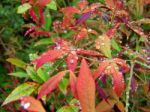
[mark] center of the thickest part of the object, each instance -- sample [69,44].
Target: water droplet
[89,30]
[58,47]
[73,52]
[65,31]
[26,105]
[102,44]
[71,61]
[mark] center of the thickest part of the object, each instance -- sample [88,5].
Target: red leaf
[82,34]
[123,64]
[40,32]
[68,11]
[88,52]
[118,4]
[41,16]
[43,3]
[103,106]
[49,56]
[110,33]
[51,84]
[67,21]
[137,30]
[31,104]
[118,82]
[30,30]
[82,4]
[101,69]
[72,61]
[86,88]
[33,15]
[73,81]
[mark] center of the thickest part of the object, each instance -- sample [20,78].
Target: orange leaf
[72,61]
[43,3]
[49,56]
[115,4]
[68,11]
[73,81]
[122,63]
[82,34]
[103,106]
[88,52]
[51,84]
[86,88]
[118,82]
[82,4]
[101,69]
[31,104]
[120,106]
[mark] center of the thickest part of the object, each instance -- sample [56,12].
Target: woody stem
[129,87]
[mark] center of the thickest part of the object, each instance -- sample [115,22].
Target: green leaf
[19,74]
[103,43]
[22,90]
[63,85]
[17,62]
[32,74]
[115,45]
[23,8]
[42,74]
[52,5]
[68,109]
[45,41]
[48,21]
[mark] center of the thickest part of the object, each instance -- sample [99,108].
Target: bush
[79,56]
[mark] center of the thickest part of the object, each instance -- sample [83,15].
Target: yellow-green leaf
[103,43]
[23,8]
[20,91]
[17,62]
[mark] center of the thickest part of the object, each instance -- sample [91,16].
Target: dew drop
[71,61]
[26,105]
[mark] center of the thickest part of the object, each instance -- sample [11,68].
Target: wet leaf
[20,91]
[72,61]
[100,69]
[88,52]
[51,84]
[31,104]
[118,82]
[32,74]
[103,43]
[86,88]
[48,57]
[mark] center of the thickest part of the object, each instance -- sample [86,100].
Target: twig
[129,87]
